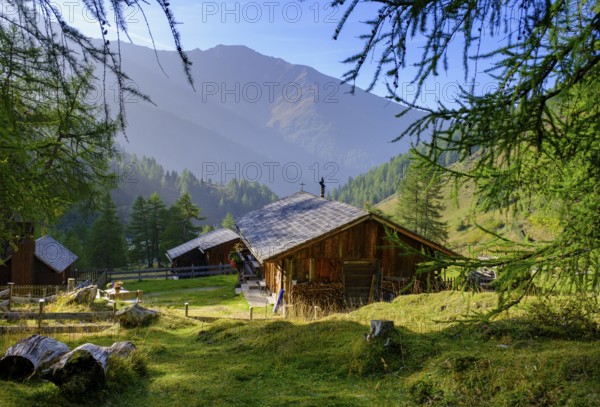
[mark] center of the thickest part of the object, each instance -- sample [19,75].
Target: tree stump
[29,355]
[85,295]
[135,316]
[379,328]
[84,368]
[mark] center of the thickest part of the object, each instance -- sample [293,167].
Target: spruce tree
[157,213]
[420,203]
[139,233]
[228,221]
[107,240]
[181,219]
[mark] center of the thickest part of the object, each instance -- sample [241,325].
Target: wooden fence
[87,274]
[170,272]
[35,291]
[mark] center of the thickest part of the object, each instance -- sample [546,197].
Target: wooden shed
[306,239]
[40,262]
[209,249]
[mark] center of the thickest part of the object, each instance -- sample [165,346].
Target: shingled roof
[204,242]
[53,254]
[291,221]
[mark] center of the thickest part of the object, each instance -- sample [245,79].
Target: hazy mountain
[257,118]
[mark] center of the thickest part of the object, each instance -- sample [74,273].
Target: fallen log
[379,328]
[4,294]
[4,306]
[135,316]
[85,295]
[28,355]
[84,368]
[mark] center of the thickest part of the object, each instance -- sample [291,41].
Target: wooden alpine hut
[304,240]
[41,262]
[209,249]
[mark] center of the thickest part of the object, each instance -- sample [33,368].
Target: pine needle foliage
[531,143]
[55,142]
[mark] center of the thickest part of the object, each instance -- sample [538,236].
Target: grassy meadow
[535,354]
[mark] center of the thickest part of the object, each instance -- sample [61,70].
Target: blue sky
[299,32]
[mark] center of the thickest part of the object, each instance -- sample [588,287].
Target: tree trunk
[379,328]
[28,355]
[84,368]
[135,316]
[85,295]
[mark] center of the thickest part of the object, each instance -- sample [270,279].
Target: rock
[135,316]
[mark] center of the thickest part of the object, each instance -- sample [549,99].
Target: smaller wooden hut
[41,262]
[209,249]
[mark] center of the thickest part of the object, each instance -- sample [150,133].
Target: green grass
[463,234]
[431,359]
[211,296]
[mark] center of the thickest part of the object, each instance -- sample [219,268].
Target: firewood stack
[327,296]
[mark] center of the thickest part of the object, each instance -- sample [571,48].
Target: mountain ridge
[260,111]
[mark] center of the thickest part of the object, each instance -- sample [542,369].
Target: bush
[572,317]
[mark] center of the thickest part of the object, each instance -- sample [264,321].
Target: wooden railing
[35,291]
[170,272]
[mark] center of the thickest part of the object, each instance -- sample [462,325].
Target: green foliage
[374,186]
[107,239]
[420,202]
[180,223]
[570,317]
[531,142]
[146,229]
[56,146]
[139,232]
[145,176]
[228,221]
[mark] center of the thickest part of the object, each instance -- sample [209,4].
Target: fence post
[139,275]
[114,310]
[166,274]
[316,308]
[187,309]
[193,270]
[40,316]
[266,308]
[138,297]
[71,284]
[251,312]
[10,294]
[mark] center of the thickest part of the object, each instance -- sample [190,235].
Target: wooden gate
[360,281]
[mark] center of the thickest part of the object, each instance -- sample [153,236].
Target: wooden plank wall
[364,241]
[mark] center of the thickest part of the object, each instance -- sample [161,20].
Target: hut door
[360,279]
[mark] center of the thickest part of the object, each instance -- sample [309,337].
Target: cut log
[28,355]
[85,295]
[4,306]
[135,316]
[84,368]
[379,328]
[4,294]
